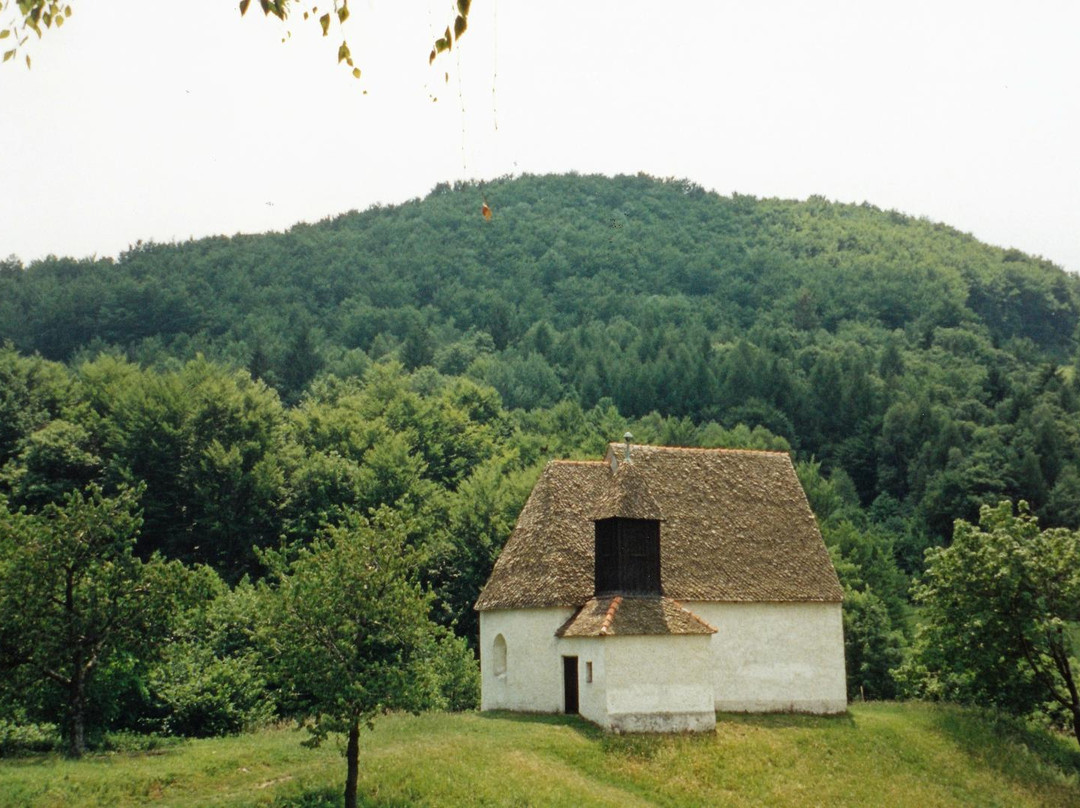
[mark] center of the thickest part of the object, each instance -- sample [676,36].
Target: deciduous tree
[73,594]
[999,609]
[352,635]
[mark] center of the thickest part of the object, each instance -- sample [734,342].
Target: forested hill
[566,251]
[937,372]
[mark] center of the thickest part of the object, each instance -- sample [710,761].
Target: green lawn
[877,755]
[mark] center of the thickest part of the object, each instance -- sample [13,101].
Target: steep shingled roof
[627,494]
[618,616]
[737,528]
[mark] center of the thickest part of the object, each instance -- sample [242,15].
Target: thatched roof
[618,616]
[737,527]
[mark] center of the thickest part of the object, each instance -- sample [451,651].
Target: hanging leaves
[41,15]
[31,15]
[461,24]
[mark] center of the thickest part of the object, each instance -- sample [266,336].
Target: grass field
[877,755]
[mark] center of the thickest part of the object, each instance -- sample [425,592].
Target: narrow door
[570,684]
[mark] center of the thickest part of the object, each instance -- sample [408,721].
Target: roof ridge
[605,627]
[717,449]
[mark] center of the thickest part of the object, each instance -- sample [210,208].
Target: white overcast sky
[164,121]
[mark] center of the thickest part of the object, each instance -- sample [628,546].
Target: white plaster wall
[658,683]
[776,656]
[592,696]
[533,679]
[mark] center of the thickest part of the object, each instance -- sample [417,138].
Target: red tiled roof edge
[705,623]
[610,616]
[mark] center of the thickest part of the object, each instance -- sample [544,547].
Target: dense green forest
[241,398]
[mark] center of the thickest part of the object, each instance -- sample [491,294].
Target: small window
[588,672]
[498,655]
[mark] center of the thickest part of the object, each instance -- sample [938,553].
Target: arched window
[498,655]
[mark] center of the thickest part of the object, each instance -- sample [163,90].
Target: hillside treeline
[936,371]
[249,394]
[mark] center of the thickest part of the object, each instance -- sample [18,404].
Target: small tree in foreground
[352,635]
[73,597]
[1000,607]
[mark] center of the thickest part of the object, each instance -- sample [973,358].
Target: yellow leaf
[431,56]
[342,53]
[356,72]
[244,7]
[459,26]
[8,54]
[324,21]
[343,14]
[5,34]
[28,61]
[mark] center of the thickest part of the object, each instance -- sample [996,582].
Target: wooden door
[570,684]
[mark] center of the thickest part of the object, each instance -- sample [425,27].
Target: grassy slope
[880,754]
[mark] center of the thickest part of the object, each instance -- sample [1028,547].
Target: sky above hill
[165,121]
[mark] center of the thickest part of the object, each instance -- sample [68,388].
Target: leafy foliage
[351,631]
[999,613]
[933,370]
[20,18]
[76,601]
[289,390]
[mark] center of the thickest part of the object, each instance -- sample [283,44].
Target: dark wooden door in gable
[639,555]
[627,556]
